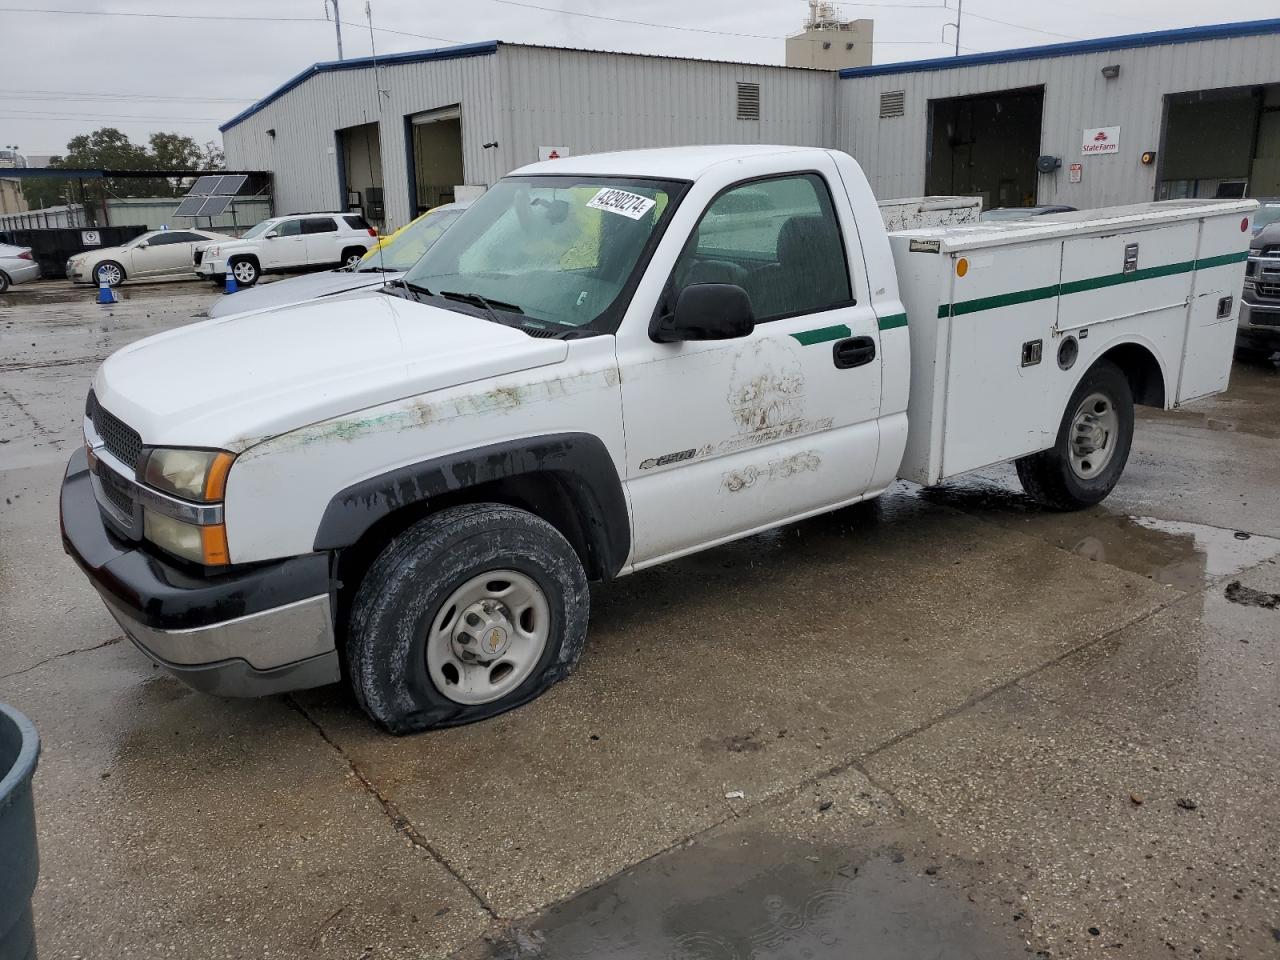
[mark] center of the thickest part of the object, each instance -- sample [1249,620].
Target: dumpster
[51,247]
[19,747]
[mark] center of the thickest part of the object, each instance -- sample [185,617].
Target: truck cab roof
[663,163]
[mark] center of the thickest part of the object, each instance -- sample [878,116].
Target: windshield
[257,230]
[563,249]
[405,247]
[1265,215]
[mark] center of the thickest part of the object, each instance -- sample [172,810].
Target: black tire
[401,595]
[117,275]
[4,281]
[248,267]
[351,256]
[1049,477]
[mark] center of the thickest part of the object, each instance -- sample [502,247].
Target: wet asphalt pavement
[946,725]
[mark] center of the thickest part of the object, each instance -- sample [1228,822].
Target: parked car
[599,368]
[296,243]
[17,265]
[1008,214]
[1268,213]
[1258,331]
[156,254]
[386,261]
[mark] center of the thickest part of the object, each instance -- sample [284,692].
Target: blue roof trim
[359,63]
[1218,31]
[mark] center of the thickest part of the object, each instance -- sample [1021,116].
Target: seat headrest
[802,238]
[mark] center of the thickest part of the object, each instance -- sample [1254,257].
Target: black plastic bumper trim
[162,595]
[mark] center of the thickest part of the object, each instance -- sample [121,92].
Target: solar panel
[230,186]
[189,207]
[213,206]
[203,187]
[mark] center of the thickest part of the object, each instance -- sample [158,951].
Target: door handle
[854,352]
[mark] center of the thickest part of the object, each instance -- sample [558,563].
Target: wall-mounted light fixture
[1148,157]
[1112,71]
[271,132]
[489,146]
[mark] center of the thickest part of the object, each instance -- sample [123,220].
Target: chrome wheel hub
[1093,431]
[488,636]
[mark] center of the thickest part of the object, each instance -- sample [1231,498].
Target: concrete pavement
[961,727]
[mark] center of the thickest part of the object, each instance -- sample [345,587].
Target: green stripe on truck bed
[1015,297]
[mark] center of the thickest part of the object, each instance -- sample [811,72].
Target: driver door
[288,248]
[729,436]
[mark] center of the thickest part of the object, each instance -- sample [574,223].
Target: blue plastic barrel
[19,865]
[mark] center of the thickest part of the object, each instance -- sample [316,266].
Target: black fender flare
[579,461]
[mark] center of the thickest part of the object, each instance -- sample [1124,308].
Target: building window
[893,104]
[748,101]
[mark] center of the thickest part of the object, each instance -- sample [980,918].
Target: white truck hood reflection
[308,286]
[233,382]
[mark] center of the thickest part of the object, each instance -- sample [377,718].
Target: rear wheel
[468,613]
[109,272]
[245,271]
[352,256]
[4,281]
[1092,447]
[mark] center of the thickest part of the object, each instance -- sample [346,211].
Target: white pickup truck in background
[608,362]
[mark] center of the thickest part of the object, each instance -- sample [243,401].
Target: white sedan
[16,266]
[160,253]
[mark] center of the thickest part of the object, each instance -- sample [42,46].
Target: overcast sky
[66,73]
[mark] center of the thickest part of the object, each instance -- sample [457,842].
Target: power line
[131,97]
[211,18]
[1019,26]
[43,114]
[640,23]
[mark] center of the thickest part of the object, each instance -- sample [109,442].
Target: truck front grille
[122,441]
[116,492]
[1268,291]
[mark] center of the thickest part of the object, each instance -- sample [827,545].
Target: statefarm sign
[1100,140]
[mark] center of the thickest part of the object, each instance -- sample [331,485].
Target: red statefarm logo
[1101,136]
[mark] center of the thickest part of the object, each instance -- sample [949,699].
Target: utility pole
[337,26]
[959,14]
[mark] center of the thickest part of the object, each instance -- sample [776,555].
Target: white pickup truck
[607,362]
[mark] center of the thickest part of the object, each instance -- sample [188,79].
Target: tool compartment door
[997,406]
[1215,308]
[1129,286]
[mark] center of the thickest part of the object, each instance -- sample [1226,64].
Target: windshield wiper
[376,270]
[415,290]
[485,303]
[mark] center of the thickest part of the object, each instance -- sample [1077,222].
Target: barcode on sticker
[620,201]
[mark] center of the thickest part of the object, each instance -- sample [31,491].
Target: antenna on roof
[377,96]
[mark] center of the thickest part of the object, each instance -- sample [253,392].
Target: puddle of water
[767,900]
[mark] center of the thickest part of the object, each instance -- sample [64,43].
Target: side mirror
[143,245]
[271,234]
[706,311]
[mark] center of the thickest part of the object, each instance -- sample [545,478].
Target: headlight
[212,251]
[204,545]
[191,474]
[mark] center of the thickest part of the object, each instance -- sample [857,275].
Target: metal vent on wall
[748,101]
[893,104]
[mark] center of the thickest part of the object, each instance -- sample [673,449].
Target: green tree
[109,148]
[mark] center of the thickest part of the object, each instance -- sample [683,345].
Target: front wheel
[245,272]
[110,273]
[1092,446]
[468,613]
[4,281]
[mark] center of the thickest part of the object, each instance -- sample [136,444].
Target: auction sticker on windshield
[620,201]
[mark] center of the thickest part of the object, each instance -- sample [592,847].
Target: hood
[234,382]
[1266,237]
[99,253]
[309,286]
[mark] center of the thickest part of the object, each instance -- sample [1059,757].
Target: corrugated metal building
[1192,112]
[468,115]
[1205,101]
